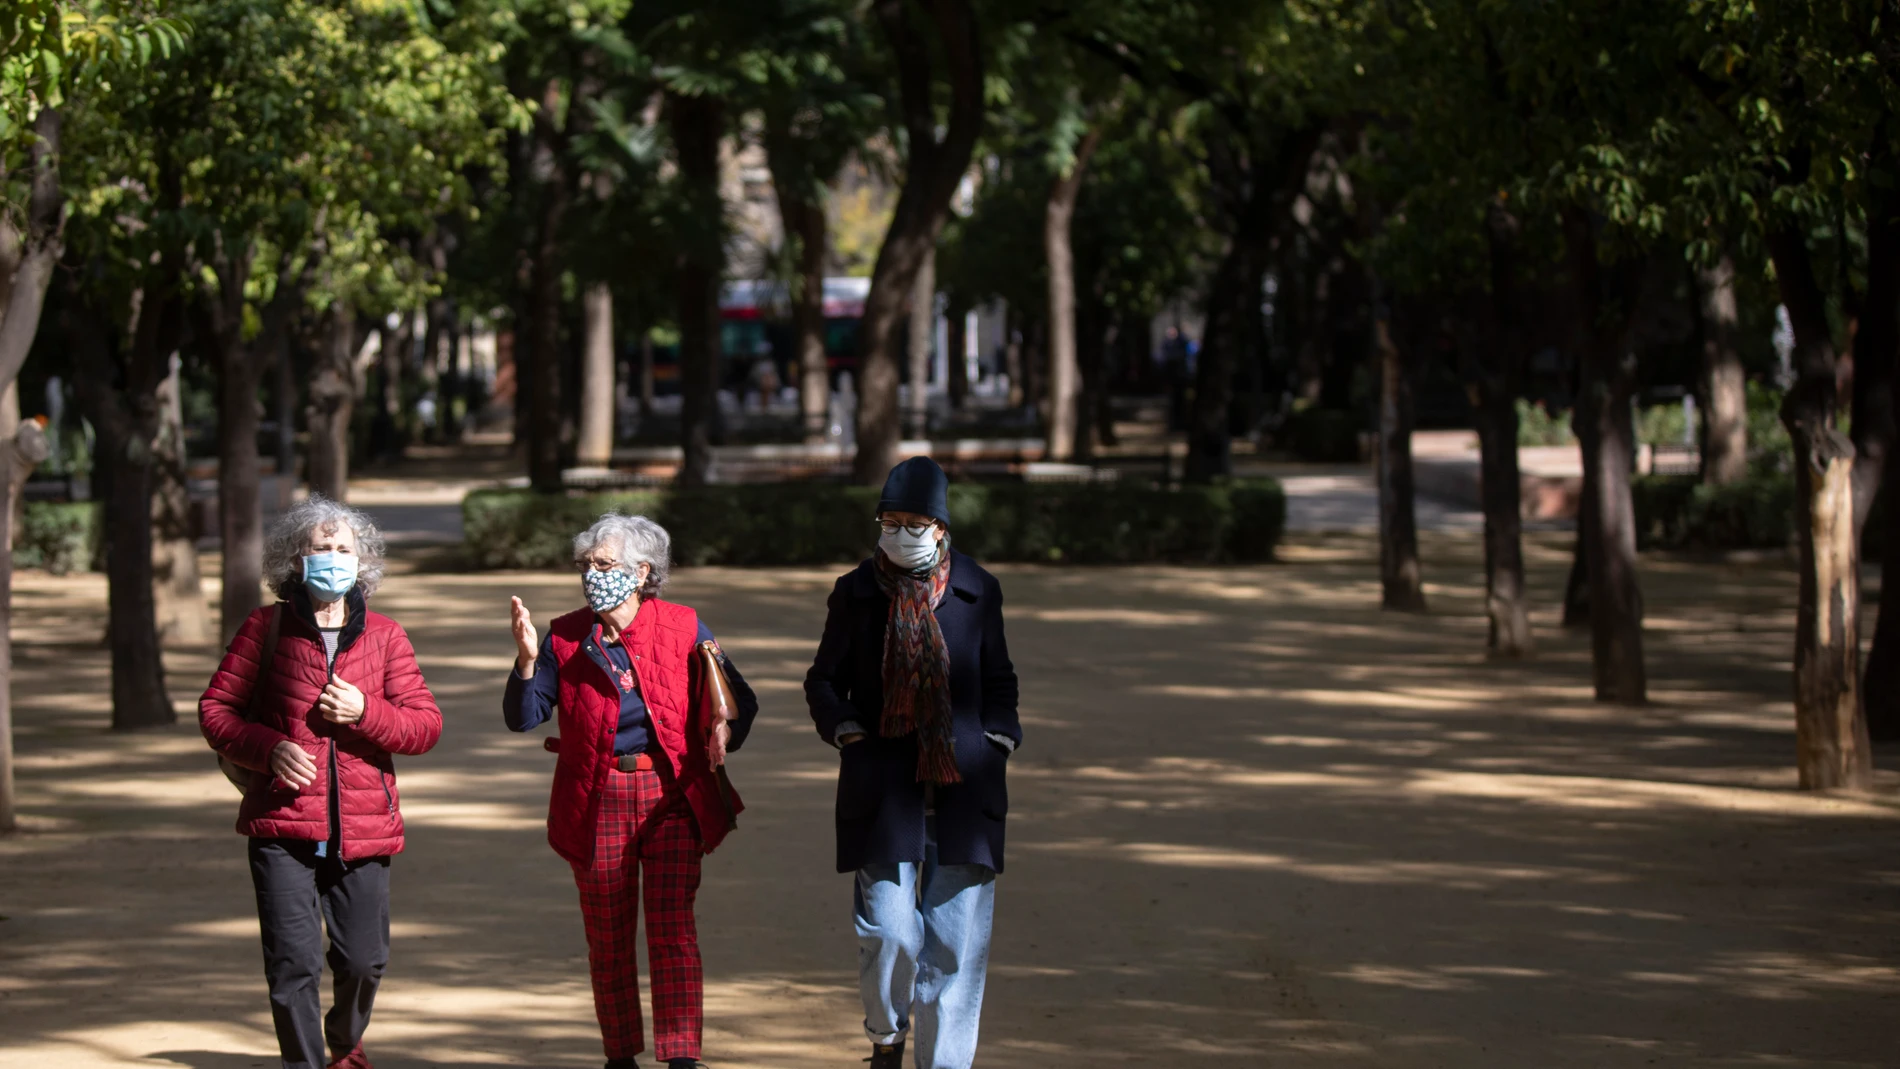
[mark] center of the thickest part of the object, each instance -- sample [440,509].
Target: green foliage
[1661,425]
[1324,435]
[58,536]
[1769,448]
[825,523]
[1537,426]
[1681,512]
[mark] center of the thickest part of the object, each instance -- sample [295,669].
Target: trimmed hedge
[1679,512]
[59,536]
[826,523]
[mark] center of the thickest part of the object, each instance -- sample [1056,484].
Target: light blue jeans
[923,952]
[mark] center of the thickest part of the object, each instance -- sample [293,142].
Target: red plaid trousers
[645,823]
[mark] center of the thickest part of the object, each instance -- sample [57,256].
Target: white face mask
[911,553]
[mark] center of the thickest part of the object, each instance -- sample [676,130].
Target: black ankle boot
[883,1057]
[684,1063]
[622,1063]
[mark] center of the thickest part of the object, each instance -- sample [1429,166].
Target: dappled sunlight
[1254,822]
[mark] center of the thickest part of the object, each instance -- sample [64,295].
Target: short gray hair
[636,540]
[289,537]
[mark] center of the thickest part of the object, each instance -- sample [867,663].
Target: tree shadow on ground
[1255,820]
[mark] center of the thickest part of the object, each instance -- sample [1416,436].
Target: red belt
[634,762]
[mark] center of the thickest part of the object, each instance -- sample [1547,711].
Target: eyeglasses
[915,530]
[596,565]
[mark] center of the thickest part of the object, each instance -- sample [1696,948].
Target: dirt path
[1256,823]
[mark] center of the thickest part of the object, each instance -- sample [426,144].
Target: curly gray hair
[289,537]
[636,540]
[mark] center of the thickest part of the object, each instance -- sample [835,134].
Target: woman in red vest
[635,783]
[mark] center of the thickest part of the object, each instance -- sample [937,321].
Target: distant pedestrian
[914,685]
[318,727]
[638,795]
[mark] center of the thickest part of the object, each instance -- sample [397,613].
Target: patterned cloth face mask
[607,589]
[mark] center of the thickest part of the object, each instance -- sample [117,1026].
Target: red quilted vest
[661,643]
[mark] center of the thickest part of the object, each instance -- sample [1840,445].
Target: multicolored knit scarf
[917,666]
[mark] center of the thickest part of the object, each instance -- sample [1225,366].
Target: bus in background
[755,332]
[755,327]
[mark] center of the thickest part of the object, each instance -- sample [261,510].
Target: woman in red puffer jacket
[340,698]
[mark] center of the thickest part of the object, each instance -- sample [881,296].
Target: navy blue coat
[880,812]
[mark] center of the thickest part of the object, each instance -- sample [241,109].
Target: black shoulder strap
[266,659]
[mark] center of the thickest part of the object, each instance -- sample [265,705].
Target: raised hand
[527,642]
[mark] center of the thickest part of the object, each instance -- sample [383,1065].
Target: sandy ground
[1256,823]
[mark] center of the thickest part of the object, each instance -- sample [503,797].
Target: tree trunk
[1013,358]
[1059,253]
[646,375]
[958,339]
[332,399]
[240,495]
[923,334]
[121,401]
[932,170]
[1260,193]
[21,447]
[180,612]
[1493,388]
[1876,340]
[805,223]
[286,404]
[1831,741]
[28,256]
[697,122]
[1608,435]
[1724,384]
[596,445]
[537,349]
[1616,601]
[1091,342]
[1882,685]
[1399,573]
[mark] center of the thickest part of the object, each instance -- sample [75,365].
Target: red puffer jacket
[399,717]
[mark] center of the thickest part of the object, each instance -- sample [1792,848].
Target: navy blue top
[528,702]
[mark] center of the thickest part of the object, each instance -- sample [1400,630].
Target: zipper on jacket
[387,797]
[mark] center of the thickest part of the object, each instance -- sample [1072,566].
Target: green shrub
[1679,512]
[1323,435]
[1536,425]
[58,536]
[827,523]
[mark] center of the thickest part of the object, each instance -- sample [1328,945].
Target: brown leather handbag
[242,777]
[716,704]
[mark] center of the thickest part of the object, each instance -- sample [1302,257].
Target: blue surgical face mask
[329,576]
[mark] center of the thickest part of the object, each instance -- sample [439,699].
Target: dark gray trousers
[299,895]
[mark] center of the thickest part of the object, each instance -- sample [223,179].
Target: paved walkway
[1255,823]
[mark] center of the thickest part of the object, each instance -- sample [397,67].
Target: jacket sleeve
[999,674]
[402,718]
[222,707]
[741,690]
[828,683]
[526,703]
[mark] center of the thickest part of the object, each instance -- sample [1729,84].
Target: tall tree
[1068,428]
[933,165]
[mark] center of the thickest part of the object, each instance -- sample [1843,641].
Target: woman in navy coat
[914,685]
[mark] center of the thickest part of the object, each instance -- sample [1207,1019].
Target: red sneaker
[353,1060]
